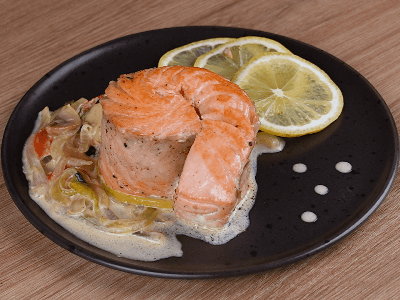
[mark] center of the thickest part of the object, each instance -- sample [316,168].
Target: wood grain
[36,36]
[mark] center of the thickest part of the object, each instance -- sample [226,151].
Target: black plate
[365,135]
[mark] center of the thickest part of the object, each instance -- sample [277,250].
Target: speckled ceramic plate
[365,136]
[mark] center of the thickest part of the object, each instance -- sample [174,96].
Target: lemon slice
[293,97]
[187,54]
[227,58]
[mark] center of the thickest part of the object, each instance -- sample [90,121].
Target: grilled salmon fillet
[179,132]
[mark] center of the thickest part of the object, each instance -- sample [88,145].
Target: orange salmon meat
[180,133]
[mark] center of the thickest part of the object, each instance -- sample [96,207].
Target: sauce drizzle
[309,217]
[299,168]
[321,189]
[343,167]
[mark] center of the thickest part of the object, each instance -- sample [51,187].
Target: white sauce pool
[152,245]
[343,167]
[321,189]
[309,217]
[299,168]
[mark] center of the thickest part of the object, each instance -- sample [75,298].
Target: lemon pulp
[228,58]
[292,96]
[186,55]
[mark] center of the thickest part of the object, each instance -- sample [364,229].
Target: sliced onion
[64,181]
[60,166]
[60,190]
[56,148]
[123,210]
[89,136]
[76,162]
[71,151]
[70,141]
[64,120]
[77,105]
[103,197]
[152,236]
[44,118]
[33,167]
[77,207]
[85,107]
[102,201]
[129,225]
[85,138]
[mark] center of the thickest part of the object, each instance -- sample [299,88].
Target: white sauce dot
[343,167]
[309,217]
[321,189]
[299,168]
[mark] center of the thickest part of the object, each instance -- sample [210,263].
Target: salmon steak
[180,133]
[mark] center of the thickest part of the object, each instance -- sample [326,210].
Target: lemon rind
[202,59]
[210,42]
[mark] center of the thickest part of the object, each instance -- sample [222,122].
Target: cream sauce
[309,217]
[299,168]
[343,167]
[151,245]
[321,189]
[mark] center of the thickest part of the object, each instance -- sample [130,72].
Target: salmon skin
[181,133]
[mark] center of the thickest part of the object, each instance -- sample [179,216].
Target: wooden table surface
[36,36]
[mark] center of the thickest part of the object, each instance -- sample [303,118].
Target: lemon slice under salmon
[227,58]
[187,54]
[293,97]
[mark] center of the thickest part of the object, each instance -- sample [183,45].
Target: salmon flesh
[180,133]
